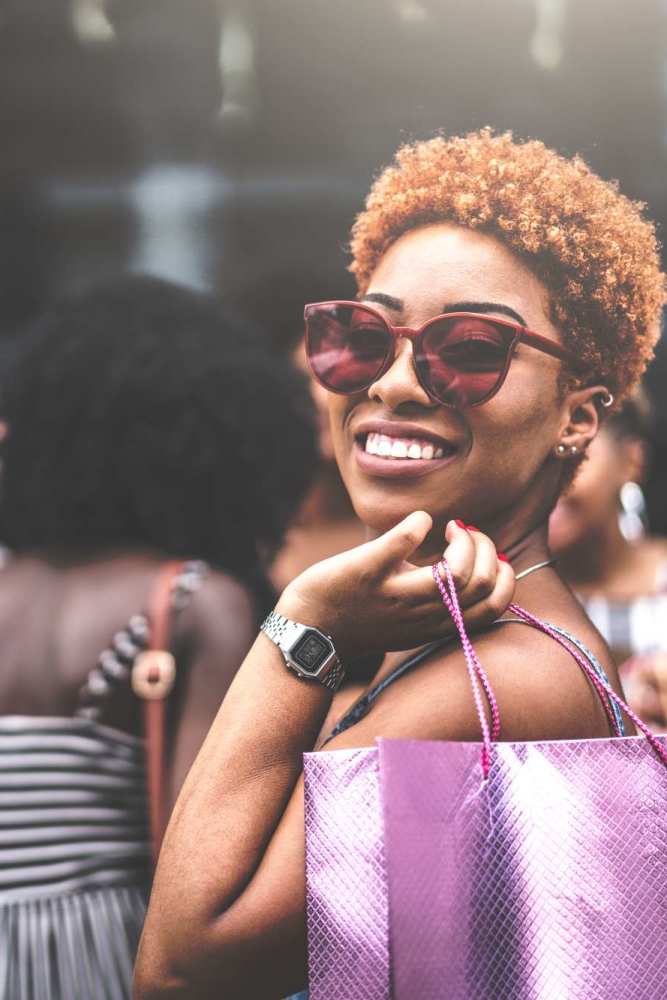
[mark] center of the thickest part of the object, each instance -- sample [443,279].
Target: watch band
[334,678]
[282,631]
[285,632]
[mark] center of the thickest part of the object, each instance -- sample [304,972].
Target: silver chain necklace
[533,569]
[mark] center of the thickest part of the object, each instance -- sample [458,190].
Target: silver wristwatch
[308,652]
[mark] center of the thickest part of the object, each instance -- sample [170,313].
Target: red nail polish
[459,523]
[503,557]
[471,527]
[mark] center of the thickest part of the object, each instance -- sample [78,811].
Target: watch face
[310,652]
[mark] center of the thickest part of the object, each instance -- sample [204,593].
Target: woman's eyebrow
[484,307]
[478,307]
[384,300]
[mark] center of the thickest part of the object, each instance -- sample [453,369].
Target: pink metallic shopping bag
[544,880]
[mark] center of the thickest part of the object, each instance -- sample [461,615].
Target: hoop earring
[632,517]
[607,400]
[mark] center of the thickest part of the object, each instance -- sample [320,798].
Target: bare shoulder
[542,693]
[221,615]
[221,591]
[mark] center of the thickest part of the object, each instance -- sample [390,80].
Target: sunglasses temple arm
[547,346]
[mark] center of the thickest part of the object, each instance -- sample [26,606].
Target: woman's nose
[400,384]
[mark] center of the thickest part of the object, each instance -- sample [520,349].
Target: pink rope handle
[478,676]
[476,672]
[583,663]
[599,683]
[450,597]
[460,624]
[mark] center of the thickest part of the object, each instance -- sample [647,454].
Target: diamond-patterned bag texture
[547,881]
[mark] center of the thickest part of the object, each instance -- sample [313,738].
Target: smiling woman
[506,297]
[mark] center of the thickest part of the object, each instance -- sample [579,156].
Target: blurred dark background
[228,144]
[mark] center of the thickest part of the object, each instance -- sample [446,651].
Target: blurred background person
[600,535]
[145,425]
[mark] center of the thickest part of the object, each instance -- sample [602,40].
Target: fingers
[460,553]
[474,563]
[495,603]
[421,593]
[479,576]
[490,587]
[485,569]
[416,583]
[396,545]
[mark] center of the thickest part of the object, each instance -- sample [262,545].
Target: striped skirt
[74,859]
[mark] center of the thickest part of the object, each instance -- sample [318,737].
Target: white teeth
[390,447]
[399,449]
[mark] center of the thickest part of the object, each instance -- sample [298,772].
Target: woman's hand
[372,599]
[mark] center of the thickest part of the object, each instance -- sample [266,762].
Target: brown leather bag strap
[153,677]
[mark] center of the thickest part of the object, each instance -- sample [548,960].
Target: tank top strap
[363,705]
[114,664]
[587,653]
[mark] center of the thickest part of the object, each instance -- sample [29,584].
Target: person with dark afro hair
[147,427]
[507,301]
[149,418]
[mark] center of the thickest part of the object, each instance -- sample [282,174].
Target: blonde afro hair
[589,244]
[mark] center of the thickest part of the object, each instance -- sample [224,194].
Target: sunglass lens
[347,346]
[462,359]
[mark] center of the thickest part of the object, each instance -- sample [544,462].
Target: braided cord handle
[600,683]
[596,679]
[480,681]
[445,583]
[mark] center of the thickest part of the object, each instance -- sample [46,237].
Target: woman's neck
[528,549]
[524,545]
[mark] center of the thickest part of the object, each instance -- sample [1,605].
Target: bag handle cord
[480,681]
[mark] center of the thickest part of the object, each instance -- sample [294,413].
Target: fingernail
[503,557]
[459,524]
[471,527]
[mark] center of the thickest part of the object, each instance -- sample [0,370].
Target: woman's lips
[390,466]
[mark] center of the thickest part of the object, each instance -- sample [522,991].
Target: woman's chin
[381,519]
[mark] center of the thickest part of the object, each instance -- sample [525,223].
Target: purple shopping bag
[546,879]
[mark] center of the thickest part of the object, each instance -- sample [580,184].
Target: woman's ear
[581,419]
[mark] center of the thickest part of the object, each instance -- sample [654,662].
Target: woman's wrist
[299,603]
[299,607]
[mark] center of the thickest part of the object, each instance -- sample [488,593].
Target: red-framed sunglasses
[461,359]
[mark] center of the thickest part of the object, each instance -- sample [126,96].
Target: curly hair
[588,244]
[142,414]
